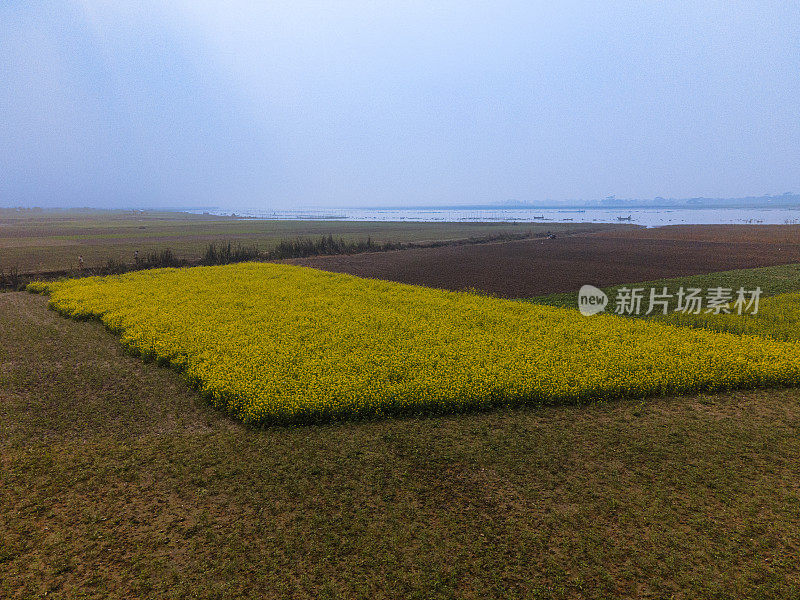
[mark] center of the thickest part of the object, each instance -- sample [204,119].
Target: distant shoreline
[647,217]
[642,216]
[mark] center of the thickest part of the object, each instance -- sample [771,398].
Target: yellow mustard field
[278,343]
[778,317]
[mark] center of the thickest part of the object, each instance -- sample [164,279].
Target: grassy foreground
[116,481]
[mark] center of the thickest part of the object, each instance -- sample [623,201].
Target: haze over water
[649,217]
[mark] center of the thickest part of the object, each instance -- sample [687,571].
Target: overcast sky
[259,105]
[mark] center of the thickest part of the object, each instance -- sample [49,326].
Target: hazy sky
[259,105]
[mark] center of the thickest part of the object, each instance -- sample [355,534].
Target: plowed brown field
[536,267]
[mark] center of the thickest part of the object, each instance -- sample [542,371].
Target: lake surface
[649,217]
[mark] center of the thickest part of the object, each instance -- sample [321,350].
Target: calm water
[649,217]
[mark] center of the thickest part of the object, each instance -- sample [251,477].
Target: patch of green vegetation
[778,317]
[772,281]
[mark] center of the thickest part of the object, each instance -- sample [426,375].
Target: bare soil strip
[529,268]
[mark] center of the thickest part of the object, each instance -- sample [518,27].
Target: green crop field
[775,280]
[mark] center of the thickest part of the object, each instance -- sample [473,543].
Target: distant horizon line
[785,200]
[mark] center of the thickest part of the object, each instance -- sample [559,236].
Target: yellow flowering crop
[778,317]
[278,343]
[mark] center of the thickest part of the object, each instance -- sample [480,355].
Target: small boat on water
[628,218]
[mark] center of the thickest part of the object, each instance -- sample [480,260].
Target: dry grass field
[35,242]
[117,481]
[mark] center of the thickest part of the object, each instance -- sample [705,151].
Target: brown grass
[116,481]
[52,241]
